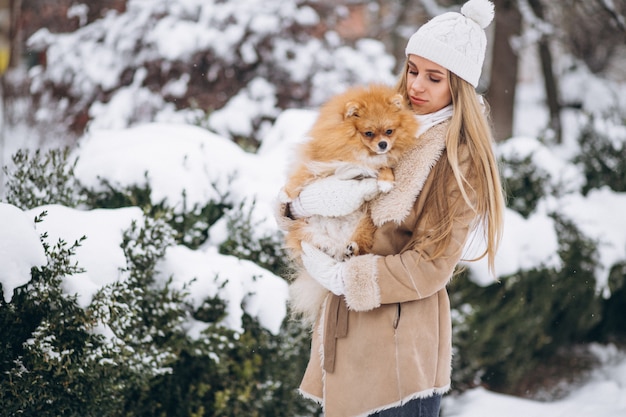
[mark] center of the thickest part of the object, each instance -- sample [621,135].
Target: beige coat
[388,340]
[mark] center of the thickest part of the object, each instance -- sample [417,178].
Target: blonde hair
[480,186]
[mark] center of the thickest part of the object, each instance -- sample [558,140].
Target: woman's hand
[323,268]
[333,197]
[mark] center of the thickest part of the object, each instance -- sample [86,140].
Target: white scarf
[429,120]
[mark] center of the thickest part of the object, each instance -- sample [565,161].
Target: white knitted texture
[324,269]
[334,197]
[480,11]
[455,41]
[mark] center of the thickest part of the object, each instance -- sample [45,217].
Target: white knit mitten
[334,197]
[323,268]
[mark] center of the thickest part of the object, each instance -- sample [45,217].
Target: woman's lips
[417,101]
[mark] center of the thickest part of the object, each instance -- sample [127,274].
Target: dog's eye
[388,132]
[369,134]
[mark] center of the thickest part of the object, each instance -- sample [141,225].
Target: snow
[175,39]
[20,249]
[100,254]
[177,159]
[564,176]
[243,284]
[257,99]
[519,250]
[598,217]
[603,394]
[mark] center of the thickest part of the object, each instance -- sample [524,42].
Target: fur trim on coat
[361,283]
[411,173]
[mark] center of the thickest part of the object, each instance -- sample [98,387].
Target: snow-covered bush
[524,182]
[531,171]
[132,343]
[242,241]
[130,350]
[603,146]
[39,178]
[191,222]
[47,357]
[601,132]
[504,330]
[541,306]
[197,61]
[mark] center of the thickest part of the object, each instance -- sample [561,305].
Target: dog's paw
[385,186]
[351,250]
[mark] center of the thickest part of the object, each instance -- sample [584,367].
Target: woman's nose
[417,85]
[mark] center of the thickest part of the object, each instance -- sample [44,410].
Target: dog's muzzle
[383,146]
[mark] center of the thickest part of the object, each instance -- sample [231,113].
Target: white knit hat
[456,41]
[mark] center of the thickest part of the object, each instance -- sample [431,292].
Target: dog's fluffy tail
[306,297]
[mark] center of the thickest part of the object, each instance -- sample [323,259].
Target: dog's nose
[382,145]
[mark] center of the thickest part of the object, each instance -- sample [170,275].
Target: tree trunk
[550,84]
[501,91]
[13,7]
[15,34]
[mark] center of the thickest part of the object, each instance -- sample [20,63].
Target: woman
[382,335]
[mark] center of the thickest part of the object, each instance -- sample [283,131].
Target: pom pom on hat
[456,41]
[480,11]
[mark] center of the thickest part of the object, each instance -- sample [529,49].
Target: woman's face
[427,85]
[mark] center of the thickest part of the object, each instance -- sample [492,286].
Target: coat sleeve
[412,275]
[372,280]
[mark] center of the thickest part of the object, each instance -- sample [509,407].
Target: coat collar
[411,173]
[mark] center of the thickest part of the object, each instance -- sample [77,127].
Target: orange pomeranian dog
[360,133]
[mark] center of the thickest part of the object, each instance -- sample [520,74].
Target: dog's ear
[398,101]
[352,109]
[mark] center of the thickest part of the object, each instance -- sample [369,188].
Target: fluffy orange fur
[365,129]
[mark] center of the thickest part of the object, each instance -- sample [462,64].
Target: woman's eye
[388,132]
[435,80]
[412,72]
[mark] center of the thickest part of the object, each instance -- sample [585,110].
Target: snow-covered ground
[603,394]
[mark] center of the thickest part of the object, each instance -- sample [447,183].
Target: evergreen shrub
[525,183]
[128,353]
[39,178]
[504,330]
[47,356]
[244,241]
[602,156]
